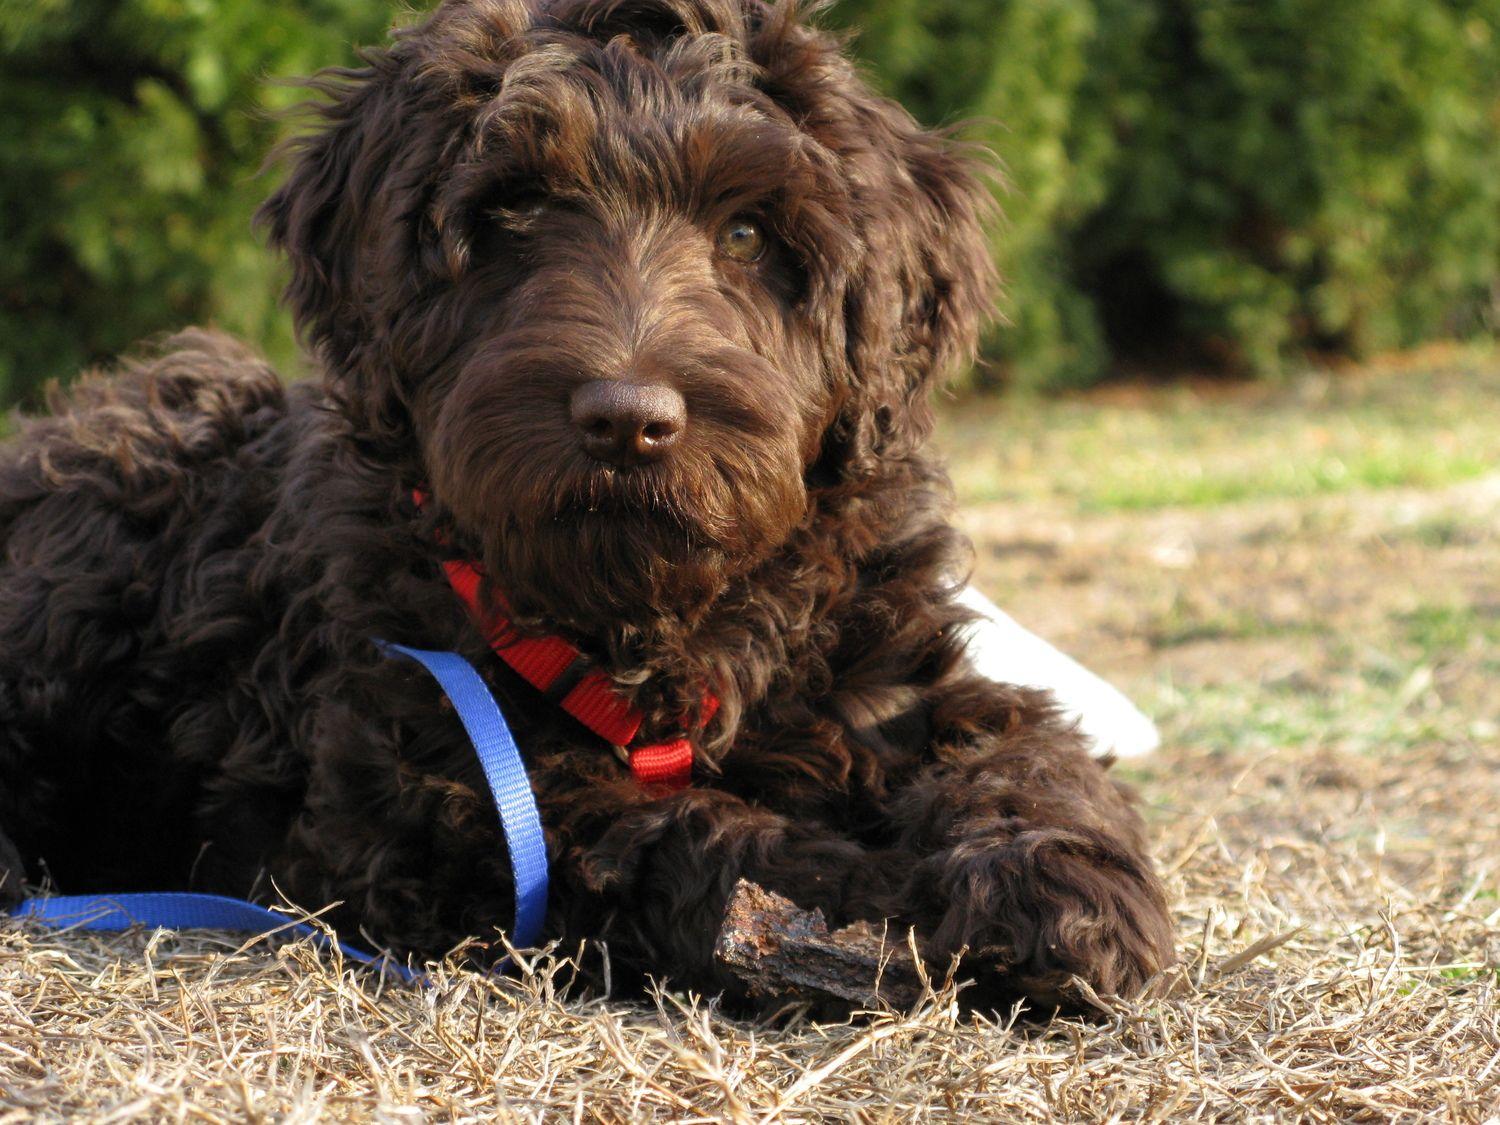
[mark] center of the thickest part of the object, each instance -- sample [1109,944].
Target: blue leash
[509,787]
[171,910]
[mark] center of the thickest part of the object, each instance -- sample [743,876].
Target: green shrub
[132,134]
[1231,182]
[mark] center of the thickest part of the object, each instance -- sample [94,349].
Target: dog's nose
[628,423]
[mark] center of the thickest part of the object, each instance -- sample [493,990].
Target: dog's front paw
[1046,907]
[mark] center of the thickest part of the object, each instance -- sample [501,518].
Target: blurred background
[1196,186]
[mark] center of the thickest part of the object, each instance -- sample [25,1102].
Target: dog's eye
[742,239]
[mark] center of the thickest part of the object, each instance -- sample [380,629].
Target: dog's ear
[356,214]
[350,218]
[925,280]
[926,283]
[320,214]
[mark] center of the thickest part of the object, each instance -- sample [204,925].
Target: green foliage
[129,151]
[1331,178]
[1224,180]
[1232,181]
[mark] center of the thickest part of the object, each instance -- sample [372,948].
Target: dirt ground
[1316,627]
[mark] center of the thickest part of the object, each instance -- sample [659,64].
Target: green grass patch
[1444,532]
[1182,448]
[1360,714]
[1451,630]
[1184,624]
[1145,486]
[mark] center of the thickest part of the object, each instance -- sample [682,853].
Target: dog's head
[629,281]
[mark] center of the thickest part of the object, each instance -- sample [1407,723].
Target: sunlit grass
[1395,427]
[1442,629]
[1183,624]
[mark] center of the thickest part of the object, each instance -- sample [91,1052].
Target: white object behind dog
[1004,651]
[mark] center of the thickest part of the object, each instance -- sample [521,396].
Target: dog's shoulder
[200,397]
[195,384]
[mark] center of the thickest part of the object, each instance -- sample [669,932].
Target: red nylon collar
[568,677]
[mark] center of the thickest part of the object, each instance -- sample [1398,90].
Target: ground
[1301,582]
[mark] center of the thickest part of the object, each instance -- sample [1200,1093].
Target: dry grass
[1328,818]
[1370,1000]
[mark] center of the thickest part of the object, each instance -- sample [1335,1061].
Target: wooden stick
[779,949]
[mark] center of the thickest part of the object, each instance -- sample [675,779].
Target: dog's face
[629,282]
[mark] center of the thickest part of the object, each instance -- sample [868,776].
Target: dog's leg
[16,764]
[1026,854]
[123,596]
[1012,845]
[656,883]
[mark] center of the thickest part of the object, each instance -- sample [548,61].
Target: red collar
[572,681]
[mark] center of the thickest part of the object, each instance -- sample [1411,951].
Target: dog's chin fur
[514,198]
[593,574]
[593,550]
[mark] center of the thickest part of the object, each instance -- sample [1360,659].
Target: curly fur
[515,197]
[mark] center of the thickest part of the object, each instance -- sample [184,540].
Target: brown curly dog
[646,298]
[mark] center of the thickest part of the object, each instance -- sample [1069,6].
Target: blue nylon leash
[510,788]
[172,910]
